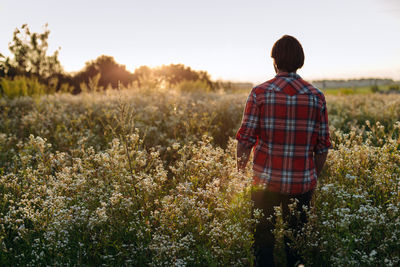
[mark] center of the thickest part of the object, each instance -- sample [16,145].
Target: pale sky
[230,39]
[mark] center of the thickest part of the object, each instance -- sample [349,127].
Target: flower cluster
[148,178]
[122,207]
[355,216]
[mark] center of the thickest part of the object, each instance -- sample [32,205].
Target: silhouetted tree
[176,73]
[30,57]
[111,73]
[3,67]
[144,75]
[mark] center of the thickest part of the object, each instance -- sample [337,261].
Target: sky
[230,39]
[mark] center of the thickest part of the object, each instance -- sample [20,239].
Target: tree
[145,77]
[110,73]
[3,68]
[30,55]
[177,73]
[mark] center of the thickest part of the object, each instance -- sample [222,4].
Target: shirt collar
[293,75]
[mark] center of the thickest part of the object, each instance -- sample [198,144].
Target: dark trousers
[264,240]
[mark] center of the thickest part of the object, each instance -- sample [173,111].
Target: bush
[22,86]
[375,89]
[394,87]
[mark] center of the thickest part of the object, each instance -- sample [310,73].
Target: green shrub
[375,89]
[22,86]
[394,87]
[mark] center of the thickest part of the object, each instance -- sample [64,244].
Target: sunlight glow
[229,39]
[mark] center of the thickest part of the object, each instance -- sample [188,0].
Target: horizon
[247,81]
[228,39]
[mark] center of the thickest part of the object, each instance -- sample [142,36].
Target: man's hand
[243,154]
[319,162]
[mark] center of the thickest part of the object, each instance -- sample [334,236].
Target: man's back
[285,118]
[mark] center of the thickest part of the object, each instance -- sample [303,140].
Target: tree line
[30,62]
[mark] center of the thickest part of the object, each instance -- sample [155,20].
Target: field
[358,90]
[147,177]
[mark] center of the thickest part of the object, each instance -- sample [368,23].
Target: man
[285,120]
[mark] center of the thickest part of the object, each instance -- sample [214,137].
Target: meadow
[147,177]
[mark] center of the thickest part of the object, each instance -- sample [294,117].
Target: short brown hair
[288,54]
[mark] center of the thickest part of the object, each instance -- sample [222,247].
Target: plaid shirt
[286,120]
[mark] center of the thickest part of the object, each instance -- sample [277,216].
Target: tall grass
[148,178]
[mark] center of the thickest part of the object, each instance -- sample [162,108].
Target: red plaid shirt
[286,120]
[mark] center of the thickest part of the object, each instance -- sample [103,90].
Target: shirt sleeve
[323,141]
[248,131]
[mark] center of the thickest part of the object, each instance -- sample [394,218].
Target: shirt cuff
[322,150]
[246,141]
